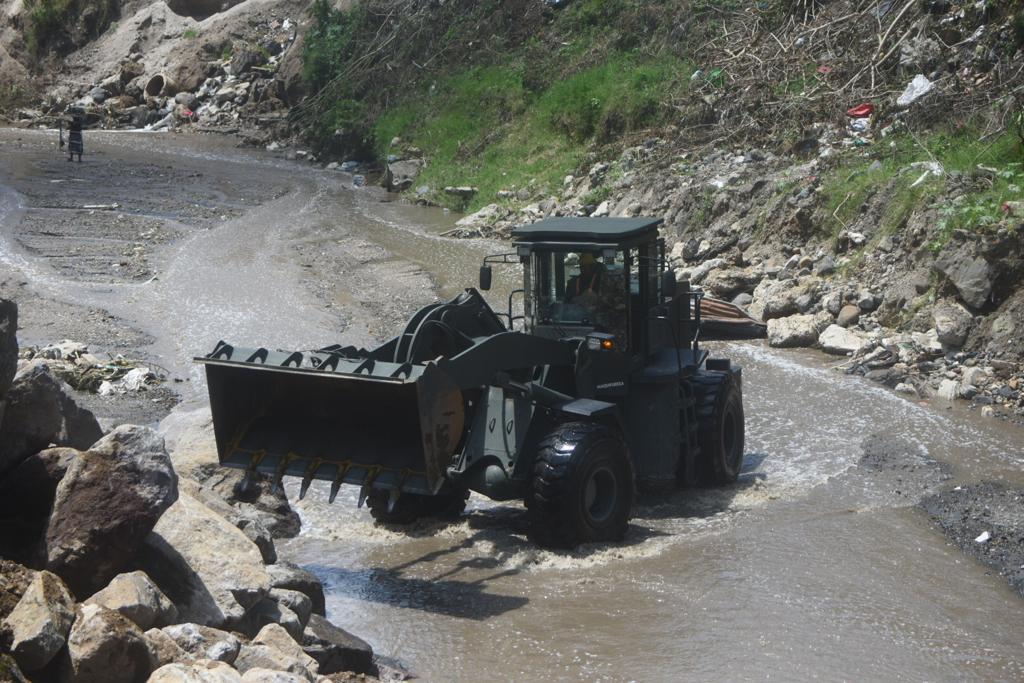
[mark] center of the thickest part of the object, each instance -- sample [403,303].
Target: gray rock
[867,301]
[164,649]
[274,649]
[244,59]
[134,595]
[953,323]
[204,642]
[297,601]
[848,315]
[108,501]
[728,282]
[949,389]
[105,646]
[270,611]
[40,622]
[38,412]
[335,649]
[839,341]
[825,266]
[796,330]
[742,300]
[400,175]
[32,416]
[293,577]
[971,275]
[208,568]
[700,272]
[204,671]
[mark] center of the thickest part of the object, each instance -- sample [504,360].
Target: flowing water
[810,567]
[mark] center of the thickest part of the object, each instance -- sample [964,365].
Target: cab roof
[601,230]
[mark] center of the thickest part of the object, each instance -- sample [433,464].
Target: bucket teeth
[363,492]
[307,478]
[393,499]
[338,479]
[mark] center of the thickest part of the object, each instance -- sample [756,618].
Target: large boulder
[839,341]
[164,649]
[970,274]
[728,282]
[293,577]
[105,646]
[335,649]
[8,345]
[778,298]
[274,649]
[848,315]
[106,504]
[38,412]
[297,601]
[270,611]
[952,323]
[204,642]
[797,330]
[400,175]
[208,568]
[134,595]
[39,624]
[204,671]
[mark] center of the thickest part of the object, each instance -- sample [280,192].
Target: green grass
[46,18]
[190,34]
[888,168]
[484,127]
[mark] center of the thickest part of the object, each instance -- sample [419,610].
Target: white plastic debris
[983,537]
[916,89]
[137,378]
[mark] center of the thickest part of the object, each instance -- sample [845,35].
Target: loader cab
[592,277]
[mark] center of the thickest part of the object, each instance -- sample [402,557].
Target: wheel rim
[600,495]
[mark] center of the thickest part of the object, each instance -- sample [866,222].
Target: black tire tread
[411,507]
[708,387]
[552,474]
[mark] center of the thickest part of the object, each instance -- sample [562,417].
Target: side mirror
[485,277]
[668,284]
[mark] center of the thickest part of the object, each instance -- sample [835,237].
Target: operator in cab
[588,281]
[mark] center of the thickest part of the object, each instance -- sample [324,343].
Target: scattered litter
[983,538]
[861,111]
[916,89]
[823,69]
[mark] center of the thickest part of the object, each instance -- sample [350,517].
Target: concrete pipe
[161,85]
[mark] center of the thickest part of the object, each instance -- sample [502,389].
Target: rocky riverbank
[129,556]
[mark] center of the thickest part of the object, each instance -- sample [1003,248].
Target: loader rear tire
[719,408]
[411,507]
[583,486]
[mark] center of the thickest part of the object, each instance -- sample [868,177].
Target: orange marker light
[607,344]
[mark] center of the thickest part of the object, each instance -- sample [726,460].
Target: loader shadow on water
[457,580]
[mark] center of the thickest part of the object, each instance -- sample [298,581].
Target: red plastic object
[823,69]
[861,111]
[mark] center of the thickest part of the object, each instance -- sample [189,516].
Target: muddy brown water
[812,566]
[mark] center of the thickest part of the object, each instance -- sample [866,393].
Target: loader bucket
[345,420]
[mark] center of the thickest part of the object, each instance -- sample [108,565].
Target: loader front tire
[719,408]
[583,486]
[411,507]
